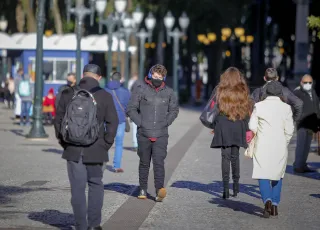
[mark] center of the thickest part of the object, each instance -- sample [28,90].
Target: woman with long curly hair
[230,126]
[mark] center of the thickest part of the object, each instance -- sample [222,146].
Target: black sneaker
[142,194]
[161,194]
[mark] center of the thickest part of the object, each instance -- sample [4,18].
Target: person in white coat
[272,124]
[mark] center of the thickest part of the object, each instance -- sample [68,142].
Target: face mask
[70,83]
[307,87]
[156,82]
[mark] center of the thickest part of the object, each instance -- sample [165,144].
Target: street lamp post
[169,21]
[127,33]
[80,12]
[37,131]
[3,27]
[119,36]
[110,23]
[176,34]
[127,23]
[120,6]
[142,35]
[234,36]
[100,8]
[150,22]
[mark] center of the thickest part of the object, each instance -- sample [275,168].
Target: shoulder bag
[127,121]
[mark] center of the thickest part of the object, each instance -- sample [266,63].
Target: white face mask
[307,87]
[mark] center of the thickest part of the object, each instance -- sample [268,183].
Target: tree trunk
[57,17]
[31,21]
[20,17]
[79,2]
[130,5]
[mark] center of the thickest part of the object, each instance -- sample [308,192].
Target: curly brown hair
[160,69]
[233,95]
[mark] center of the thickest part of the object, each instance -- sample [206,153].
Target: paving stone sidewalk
[35,193]
[34,188]
[195,190]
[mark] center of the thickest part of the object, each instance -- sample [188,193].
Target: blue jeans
[119,145]
[304,139]
[134,135]
[25,110]
[270,190]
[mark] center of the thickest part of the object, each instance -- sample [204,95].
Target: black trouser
[79,175]
[230,154]
[48,118]
[157,151]
[10,99]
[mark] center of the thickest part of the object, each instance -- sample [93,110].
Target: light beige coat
[272,123]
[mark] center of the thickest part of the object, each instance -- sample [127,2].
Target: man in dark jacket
[259,94]
[121,97]
[153,108]
[85,163]
[71,82]
[308,124]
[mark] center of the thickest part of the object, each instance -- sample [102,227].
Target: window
[54,69]
[61,70]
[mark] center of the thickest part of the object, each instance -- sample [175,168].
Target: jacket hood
[51,90]
[88,83]
[113,85]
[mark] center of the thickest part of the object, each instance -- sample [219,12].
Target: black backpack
[80,125]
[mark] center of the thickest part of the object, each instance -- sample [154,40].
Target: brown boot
[274,210]
[267,209]
[161,194]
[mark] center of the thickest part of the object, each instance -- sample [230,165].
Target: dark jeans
[10,99]
[304,139]
[157,151]
[48,118]
[79,175]
[230,154]
[25,111]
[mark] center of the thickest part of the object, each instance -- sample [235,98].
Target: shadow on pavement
[216,188]
[54,218]
[7,193]
[315,195]
[57,151]
[18,132]
[313,175]
[131,190]
[238,206]
[131,149]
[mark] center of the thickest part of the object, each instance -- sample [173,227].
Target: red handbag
[212,104]
[249,136]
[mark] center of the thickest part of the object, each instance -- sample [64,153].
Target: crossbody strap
[114,93]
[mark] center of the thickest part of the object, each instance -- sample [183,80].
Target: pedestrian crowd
[263,123]
[88,119]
